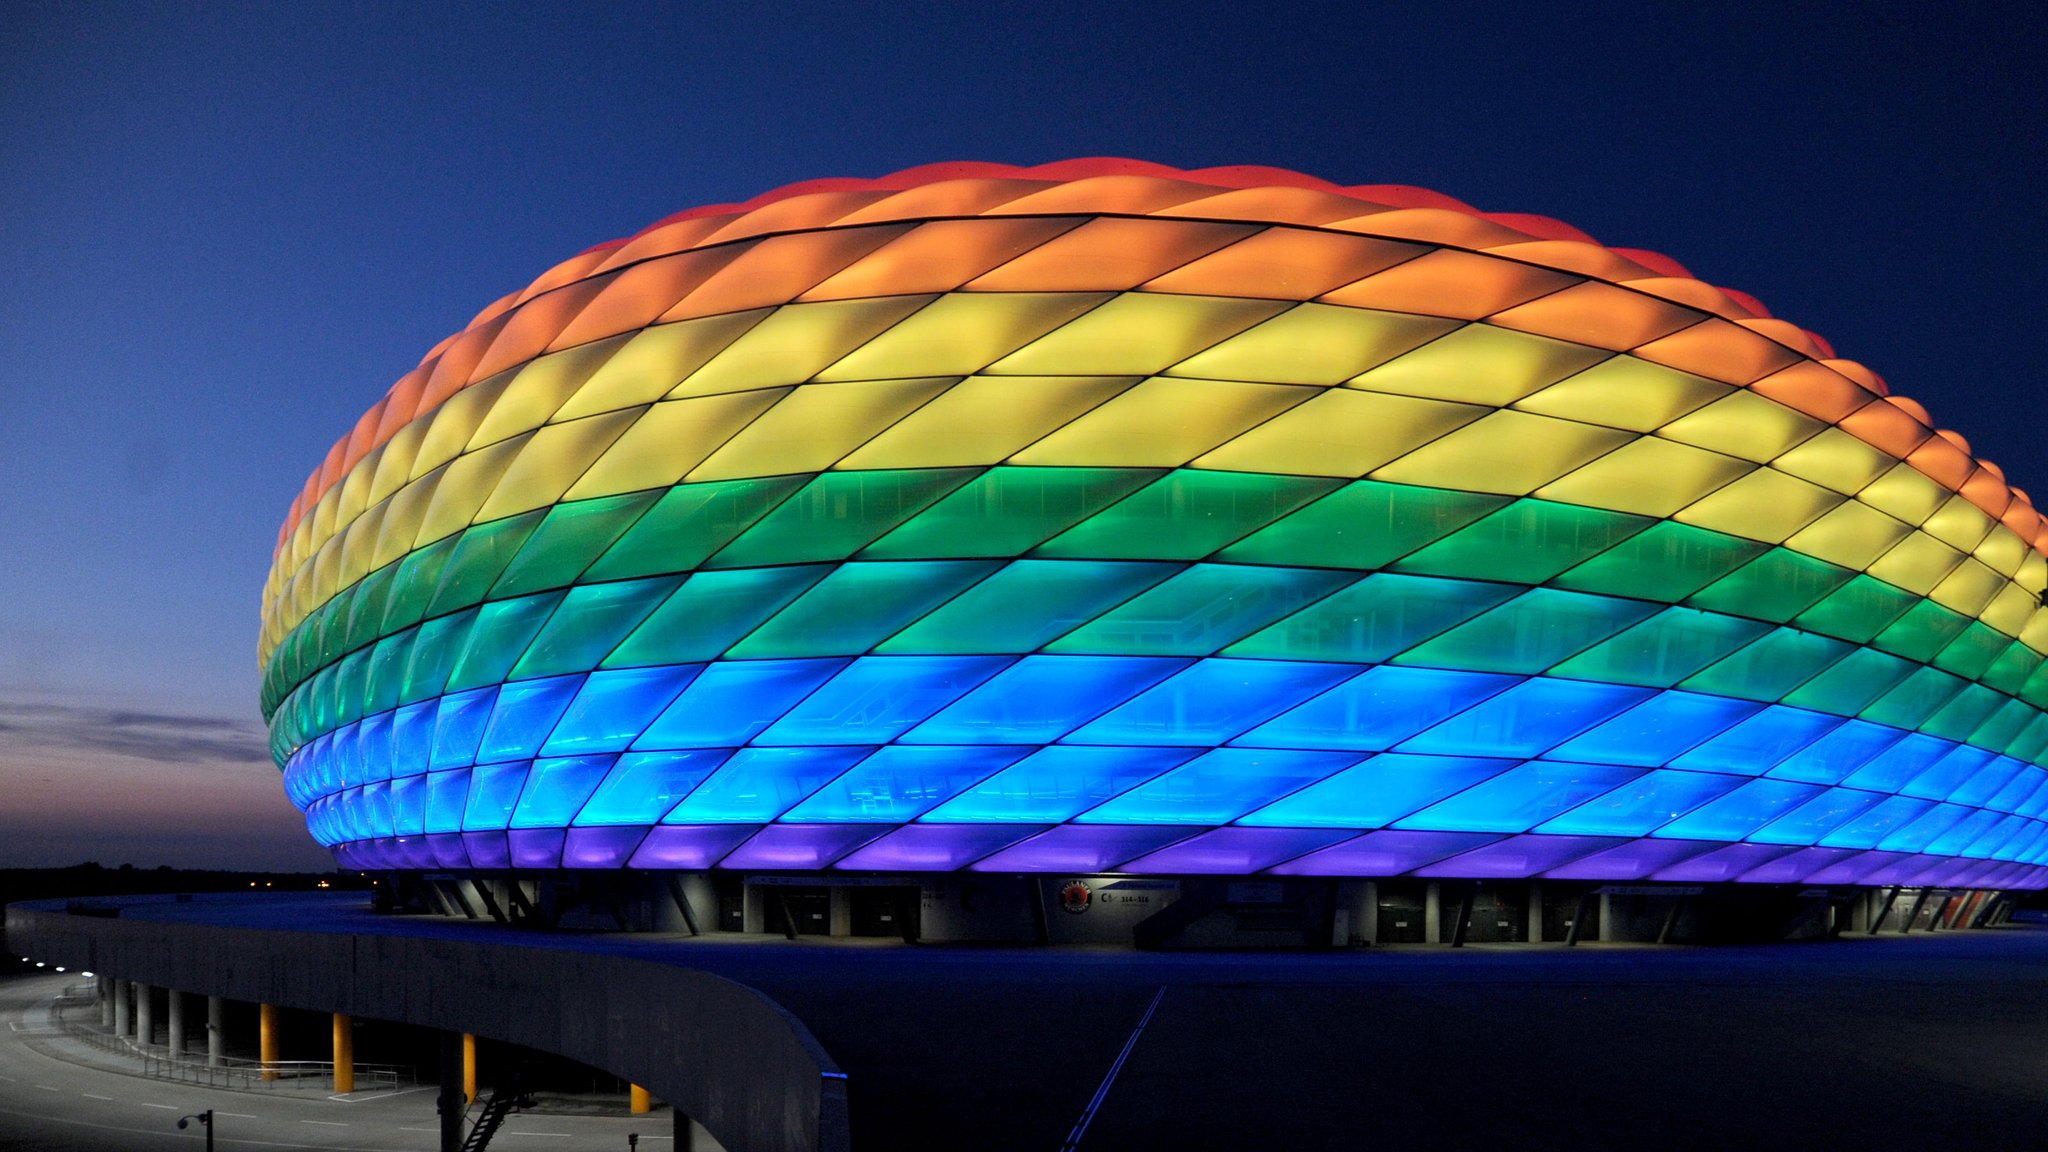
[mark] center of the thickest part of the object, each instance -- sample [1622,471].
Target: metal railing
[237,1072]
[228,1072]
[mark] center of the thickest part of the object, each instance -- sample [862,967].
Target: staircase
[498,1105]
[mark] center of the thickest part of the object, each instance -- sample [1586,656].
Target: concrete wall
[719,1051]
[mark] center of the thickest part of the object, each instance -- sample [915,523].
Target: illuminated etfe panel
[1143,524]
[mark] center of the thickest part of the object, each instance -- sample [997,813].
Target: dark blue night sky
[226,229]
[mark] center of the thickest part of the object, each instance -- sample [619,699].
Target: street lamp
[205,1118]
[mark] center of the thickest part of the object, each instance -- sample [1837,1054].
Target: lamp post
[206,1119]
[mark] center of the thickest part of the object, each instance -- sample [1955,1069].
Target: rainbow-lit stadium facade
[1105,517]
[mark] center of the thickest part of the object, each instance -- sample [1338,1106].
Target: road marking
[10,1079]
[236,1115]
[47,1088]
[509,1132]
[326,1123]
[419,1129]
[141,1131]
[362,1097]
[1102,1093]
[165,1107]
[90,1096]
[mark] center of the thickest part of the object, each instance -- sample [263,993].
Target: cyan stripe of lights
[1105,516]
[1165,609]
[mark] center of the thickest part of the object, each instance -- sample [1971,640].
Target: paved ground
[1926,1041]
[56,1095]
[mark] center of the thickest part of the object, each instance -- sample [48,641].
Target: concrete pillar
[1535,910]
[1607,931]
[450,1104]
[121,1013]
[754,908]
[468,1068]
[145,1015]
[216,1032]
[686,1131]
[1367,926]
[344,1053]
[642,1102]
[1433,913]
[174,1019]
[106,988]
[1352,904]
[839,917]
[266,1039]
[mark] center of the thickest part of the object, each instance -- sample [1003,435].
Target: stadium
[1103,553]
[1101,518]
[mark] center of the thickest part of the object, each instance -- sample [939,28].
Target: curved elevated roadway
[1889,1042]
[82,1102]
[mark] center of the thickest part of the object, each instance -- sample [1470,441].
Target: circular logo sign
[1074,897]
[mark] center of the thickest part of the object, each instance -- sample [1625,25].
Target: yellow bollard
[642,1102]
[469,1068]
[266,1039]
[344,1053]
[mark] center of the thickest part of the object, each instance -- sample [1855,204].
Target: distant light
[39,963]
[60,967]
[87,975]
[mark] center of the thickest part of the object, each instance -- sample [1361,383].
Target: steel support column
[682,903]
[1671,920]
[1586,899]
[1919,902]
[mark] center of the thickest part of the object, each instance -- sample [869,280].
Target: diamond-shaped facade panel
[1102,517]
